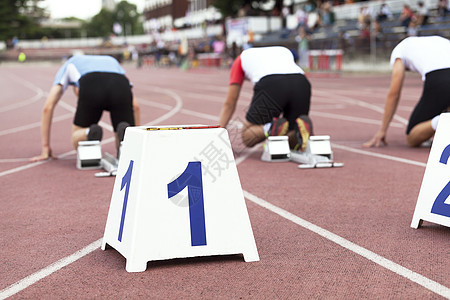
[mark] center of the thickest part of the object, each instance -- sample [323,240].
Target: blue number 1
[439,206]
[126,180]
[192,178]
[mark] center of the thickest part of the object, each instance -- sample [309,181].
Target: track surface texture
[341,233]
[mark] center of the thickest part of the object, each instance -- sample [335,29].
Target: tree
[228,8]
[101,24]
[124,14]
[20,18]
[127,16]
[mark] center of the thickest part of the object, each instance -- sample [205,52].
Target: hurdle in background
[209,59]
[327,61]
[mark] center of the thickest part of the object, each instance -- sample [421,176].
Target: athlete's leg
[89,106]
[420,133]
[298,90]
[267,103]
[120,103]
[78,135]
[252,134]
[93,133]
[433,101]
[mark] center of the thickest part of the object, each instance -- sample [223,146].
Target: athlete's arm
[47,115]
[229,106]
[237,77]
[392,100]
[136,112]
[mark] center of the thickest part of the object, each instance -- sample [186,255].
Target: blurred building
[161,15]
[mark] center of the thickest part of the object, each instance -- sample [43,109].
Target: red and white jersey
[423,54]
[255,63]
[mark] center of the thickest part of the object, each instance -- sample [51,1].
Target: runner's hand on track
[46,154]
[377,140]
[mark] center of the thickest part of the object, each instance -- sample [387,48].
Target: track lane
[200,115]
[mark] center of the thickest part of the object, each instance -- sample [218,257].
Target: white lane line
[13,160]
[32,125]
[177,108]
[173,110]
[364,104]
[34,164]
[241,158]
[22,168]
[351,118]
[49,270]
[33,278]
[200,115]
[329,106]
[427,283]
[398,269]
[379,155]
[39,94]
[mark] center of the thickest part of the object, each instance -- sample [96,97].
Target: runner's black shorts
[289,94]
[435,98]
[98,92]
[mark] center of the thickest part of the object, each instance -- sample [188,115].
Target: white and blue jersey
[79,65]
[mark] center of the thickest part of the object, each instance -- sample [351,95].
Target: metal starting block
[276,149]
[318,154]
[89,155]
[109,163]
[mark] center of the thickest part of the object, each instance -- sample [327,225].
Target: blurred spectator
[364,21]
[303,46]
[183,51]
[406,16]
[244,11]
[14,41]
[422,14]
[313,20]
[412,28]
[384,13]
[377,30]
[159,51]
[345,41]
[285,12]
[443,8]
[326,14]
[310,6]
[302,17]
[219,48]
[364,18]
[234,51]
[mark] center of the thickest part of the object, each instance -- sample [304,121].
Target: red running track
[326,234]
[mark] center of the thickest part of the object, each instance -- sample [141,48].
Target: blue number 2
[439,206]
[126,180]
[192,178]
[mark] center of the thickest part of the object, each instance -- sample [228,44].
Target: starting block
[276,149]
[108,163]
[318,153]
[89,155]
[177,194]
